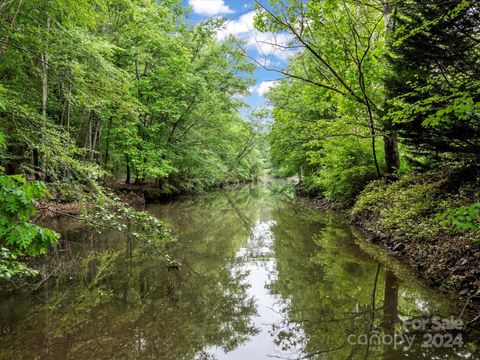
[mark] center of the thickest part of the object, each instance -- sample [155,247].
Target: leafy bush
[346,167]
[465,217]
[18,235]
[17,232]
[10,266]
[67,192]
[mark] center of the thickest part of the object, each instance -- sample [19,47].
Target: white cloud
[265,86]
[264,44]
[242,25]
[209,7]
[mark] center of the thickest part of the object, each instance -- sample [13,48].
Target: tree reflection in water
[333,289]
[126,304]
[262,275]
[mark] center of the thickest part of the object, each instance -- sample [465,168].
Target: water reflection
[334,292]
[263,275]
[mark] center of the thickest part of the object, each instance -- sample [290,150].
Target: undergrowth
[419,208]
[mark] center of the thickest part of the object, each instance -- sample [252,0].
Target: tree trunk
[11,165]
[44,58]
[392,156]
[127,180]
[36,163]
[96,136]
[44,101]
[68,117]
[97,144]
[9,29]
[88,135]
[83,116]
[107,146]
[390,310]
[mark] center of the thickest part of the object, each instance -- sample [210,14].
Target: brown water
[263,276]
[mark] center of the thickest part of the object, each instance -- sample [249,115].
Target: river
[263,275]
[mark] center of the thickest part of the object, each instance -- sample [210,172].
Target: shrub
[346,167]
[18,235]
[465,217]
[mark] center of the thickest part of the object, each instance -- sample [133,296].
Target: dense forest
[377,111]
[94,92]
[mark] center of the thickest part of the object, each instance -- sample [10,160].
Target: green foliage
[122,89]
[109,213]
[434,82]
[2,100]
[2,142]
[17,206]
[316,136]
[18,235]
[10,266]
[329,113]
[417,77]
[406,209]
[465,217]
[345,168]
[129,88]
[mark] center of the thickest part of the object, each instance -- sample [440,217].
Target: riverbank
[407,217]
[134,195]
[402,216]
[55,207]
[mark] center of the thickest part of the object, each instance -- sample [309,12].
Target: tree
[435,81]
[343,52]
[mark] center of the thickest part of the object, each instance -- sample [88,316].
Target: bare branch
[286,73]
[315,53]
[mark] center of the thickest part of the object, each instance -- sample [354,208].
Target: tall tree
[436,79]
[343,47]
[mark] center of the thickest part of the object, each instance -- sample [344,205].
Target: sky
[260,46]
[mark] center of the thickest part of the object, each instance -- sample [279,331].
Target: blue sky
[260,46]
